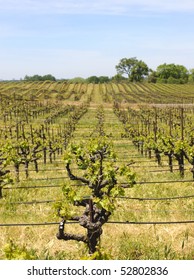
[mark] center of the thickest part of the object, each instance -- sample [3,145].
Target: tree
[191,75]
[118,78]
[93,79]
[172,73]
[98,80]
[104,79]
[77,80]
[96,162]
[48,77]
[135,69]
[152,78]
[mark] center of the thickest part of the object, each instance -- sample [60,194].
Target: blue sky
[81,38]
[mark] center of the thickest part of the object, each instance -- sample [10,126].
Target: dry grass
[119,241]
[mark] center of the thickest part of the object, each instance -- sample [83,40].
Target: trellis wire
[109,222]
[124,185]
[119,197]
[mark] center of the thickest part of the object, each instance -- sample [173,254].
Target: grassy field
[31,200]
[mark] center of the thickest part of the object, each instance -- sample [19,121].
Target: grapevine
[97,162]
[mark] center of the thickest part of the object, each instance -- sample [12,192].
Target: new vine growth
[93,167]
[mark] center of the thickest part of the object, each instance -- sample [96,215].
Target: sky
[82,38]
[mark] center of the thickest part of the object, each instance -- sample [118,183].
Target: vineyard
[141,159]
[105,92]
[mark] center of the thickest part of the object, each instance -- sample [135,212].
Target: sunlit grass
[120,241]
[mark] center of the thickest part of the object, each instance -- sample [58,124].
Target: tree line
[133,70]
[137,71]
[37,78]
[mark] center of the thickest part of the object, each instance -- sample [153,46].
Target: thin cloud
[96,6]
